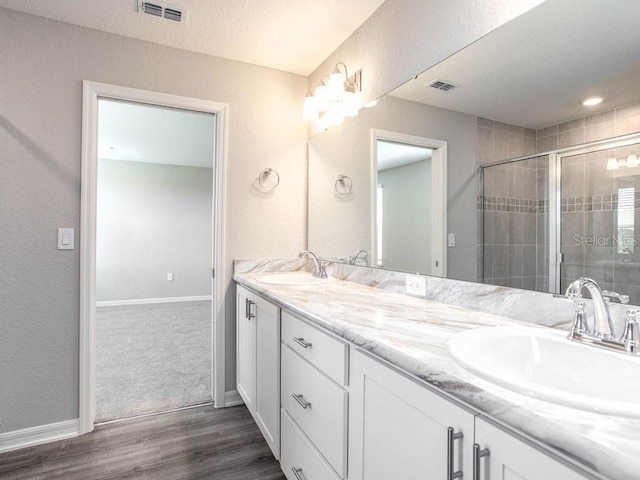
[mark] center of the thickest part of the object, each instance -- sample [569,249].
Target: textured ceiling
[393,154]
[150,134]
[290,35]
[535,70]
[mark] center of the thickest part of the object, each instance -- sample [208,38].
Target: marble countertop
[411,333]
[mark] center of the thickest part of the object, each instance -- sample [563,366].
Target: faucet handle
[323,268]
[608,296]
[579,321]
[631,335]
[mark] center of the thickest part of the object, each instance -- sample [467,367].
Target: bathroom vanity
[352,382]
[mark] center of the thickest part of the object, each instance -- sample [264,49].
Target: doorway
[154,228]
[151,238]
[409,195]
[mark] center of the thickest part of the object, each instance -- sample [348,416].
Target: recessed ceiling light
[590,102]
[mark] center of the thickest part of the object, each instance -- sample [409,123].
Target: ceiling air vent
[442,85]
[159,9]
[173,14]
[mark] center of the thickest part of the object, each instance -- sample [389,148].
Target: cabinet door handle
[297,472]
[300,341]
[300,399]
[248,315]
[477,455]
[452,437]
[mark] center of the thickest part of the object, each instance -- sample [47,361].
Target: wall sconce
[334,99]
[631,161]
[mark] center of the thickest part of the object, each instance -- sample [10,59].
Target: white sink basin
[292,279]
[542,363]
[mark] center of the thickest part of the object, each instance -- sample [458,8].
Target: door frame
[438,193]
[92,91]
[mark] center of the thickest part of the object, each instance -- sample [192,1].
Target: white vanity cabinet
[332,412]
[258,362]
[505,457]
[314,402]
[401,429]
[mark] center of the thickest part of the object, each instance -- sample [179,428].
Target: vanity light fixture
[590,102]
[336,96]
[630,162]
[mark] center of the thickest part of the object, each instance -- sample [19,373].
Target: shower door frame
[555,194]
[555,158]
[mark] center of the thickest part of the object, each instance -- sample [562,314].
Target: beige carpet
[152,358]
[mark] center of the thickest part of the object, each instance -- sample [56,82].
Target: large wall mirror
[538,189]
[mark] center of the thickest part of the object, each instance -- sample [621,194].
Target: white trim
[91,92]
[232,398]
[29,437]
[438,193]
[146,301]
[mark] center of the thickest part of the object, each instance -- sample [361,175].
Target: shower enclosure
[552,218]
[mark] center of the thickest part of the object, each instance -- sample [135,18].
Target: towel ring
[265,175]
[343,185]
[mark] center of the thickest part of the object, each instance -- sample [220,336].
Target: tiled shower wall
[515,231]
[593,241]
[590,195]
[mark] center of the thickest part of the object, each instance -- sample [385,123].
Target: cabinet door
[509,458]
[267,351]
[398,428]
[245,348]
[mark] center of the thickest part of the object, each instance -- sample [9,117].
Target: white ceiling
[291,35]
[146,133]
[535,70]
[392,154]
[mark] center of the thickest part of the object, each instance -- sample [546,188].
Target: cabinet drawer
[321,408]
[299,454]
[326,353]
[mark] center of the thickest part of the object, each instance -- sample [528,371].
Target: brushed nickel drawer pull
[248,305]
[300,399]
[300,341]
[477,455]
[297,471]
[451,437]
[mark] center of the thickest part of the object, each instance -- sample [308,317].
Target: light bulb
[322,98]
[632,160]
[336,85]
[612,164]
[310,108]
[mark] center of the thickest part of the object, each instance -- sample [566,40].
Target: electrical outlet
[416,285]
[170,277]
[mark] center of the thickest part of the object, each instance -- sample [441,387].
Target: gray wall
[338,227]
[406,232]
[405,37]
[153,219]
[44,64]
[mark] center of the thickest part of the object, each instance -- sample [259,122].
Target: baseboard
[38,435]
[232,398]
[144,301]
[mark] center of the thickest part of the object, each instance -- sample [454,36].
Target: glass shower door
[515,224]
[599,214]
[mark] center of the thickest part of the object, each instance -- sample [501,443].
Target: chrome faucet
[602,326]
[601,335]
[354,258]
[318,271]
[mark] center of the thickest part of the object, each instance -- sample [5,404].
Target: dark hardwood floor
[198,443]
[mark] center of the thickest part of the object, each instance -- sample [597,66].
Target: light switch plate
[451,240]
[416,285]
[65,239]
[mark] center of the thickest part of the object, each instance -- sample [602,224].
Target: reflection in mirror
[517,94]
[403,206]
